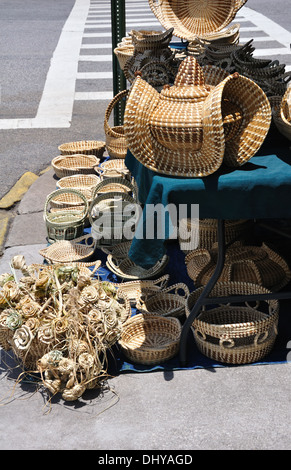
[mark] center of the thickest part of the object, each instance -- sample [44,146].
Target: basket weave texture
[281,113]
[68,251]
[116,144]
[243,263]
[170,302]
[195,18]
[86,147]
[83,183]
[68,165]
[148,339]
[235,334]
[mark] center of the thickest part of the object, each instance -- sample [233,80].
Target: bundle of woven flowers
[60,321]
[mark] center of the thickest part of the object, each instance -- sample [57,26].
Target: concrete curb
[18,190]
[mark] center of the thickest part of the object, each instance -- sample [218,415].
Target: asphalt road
[56,72]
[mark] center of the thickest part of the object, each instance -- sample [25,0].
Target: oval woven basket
[243,263]
[83,183]
[235,334]
[170,302]
[86,147]
[148,339]
[126,269]
[68,251]
[115,184]
[68,222]
[194,18]
[68,165]
[116,144]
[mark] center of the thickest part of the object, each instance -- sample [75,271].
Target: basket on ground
[86,147]
[169,302]
[149,339]
[237,333]
[65,220]
[68,165]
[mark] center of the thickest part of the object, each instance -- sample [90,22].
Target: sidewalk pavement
[227,408]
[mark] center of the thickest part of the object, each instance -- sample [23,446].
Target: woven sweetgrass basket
[235,334]
[116,144]
[204,232]
[126,269]
[144,288]
[114,168]
[170,302]
[194,18]
[115,184]
[281,113]
[68,221]
[123,52]
[149,339]
[68,165]
[83,183]
[67,251]
[86,147]
[243,263]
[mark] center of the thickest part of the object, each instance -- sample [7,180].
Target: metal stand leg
[206,291]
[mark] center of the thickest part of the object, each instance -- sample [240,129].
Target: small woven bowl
[86,147]
[170,302]
[83,183]
[150,340]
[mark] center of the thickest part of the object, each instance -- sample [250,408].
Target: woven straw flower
[18,262]
[13,320]
[28,307]
[22,338]
[45,334]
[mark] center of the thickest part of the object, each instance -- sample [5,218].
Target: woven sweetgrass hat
[190,128]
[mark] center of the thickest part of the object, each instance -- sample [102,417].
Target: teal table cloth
[260,189]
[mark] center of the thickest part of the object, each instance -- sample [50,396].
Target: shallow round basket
[83,183]
[68,251]
[238,333]
[150,340]
[126,269]
[170,302]
[68,165]
[194,18]
[86,147]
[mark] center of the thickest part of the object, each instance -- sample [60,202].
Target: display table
[260,189]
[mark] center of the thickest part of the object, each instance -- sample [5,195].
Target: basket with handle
[66,220]
[139,288]
[80,249]
[120,185]
[113,168]
[193,18]
[108,213]
[114,136]
[149,339]
[236,333]
[169,302]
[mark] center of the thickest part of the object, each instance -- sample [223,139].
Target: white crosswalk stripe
[87,32]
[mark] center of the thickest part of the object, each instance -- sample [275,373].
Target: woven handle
[176,288]
[108,130]
[58,192]
[109,181]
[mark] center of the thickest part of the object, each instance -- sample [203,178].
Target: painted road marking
[56,104]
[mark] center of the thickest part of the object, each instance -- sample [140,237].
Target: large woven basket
[148,339]
[86,147]
[243,263]
[68,221]
[116,144]
[235,334]
[194,18]
[68,165]
[68,251]
[170,302]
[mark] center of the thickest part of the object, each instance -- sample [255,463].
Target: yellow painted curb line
[19,189]
[3,229]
